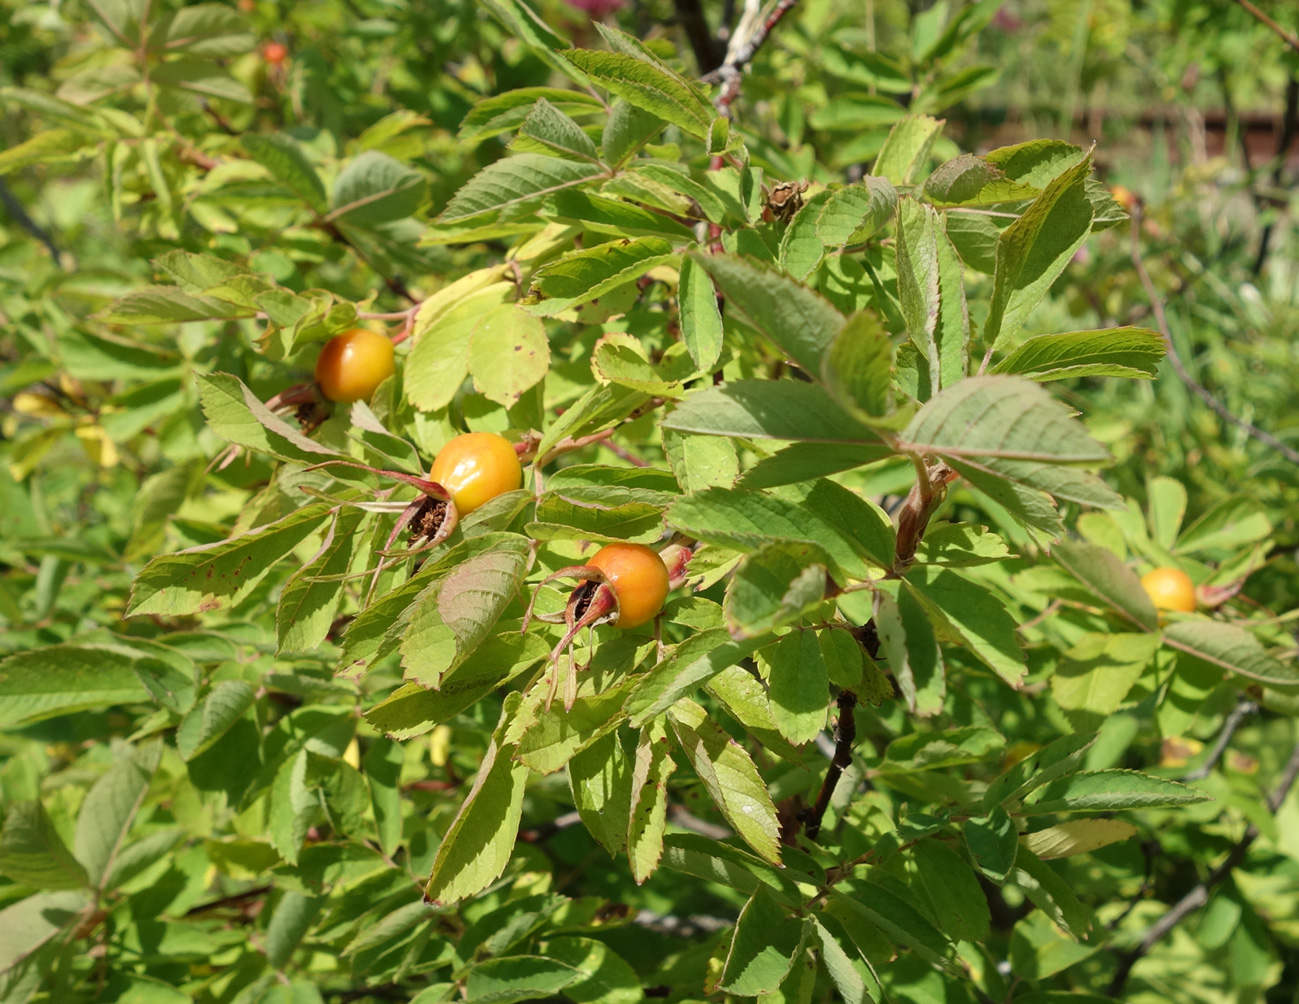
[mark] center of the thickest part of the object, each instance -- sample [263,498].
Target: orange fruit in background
[1169,589]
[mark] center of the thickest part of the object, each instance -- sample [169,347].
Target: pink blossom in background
[1006,20]
[597,8]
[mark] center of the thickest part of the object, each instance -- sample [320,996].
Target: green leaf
[607,978]
[1078,836]
[508,354]
[383,763]
[238,416]
[1113,352]
[1104,574]
[549,739]
[799,321]
[907,148]
[307,607]
[701,319]
[168,305]
[33,854]
[288,164]
[728,865]
[294,914]
[960,545]
[514,181]
[954,896]
[763,947]
[971,616]
[798,685]
[972,181]
[596,513]
[1167,507]
[931,292]
[612,216]
[215,576]
[1052,761]
[1034,250]
[993,843]
[745,698]
[684,670]
[583,276]
[901,922]
[601,781]
[47,147]
[729,776]
[452,617]
[650,86]
[807,462]
[517,978]
[507,112]
[913,653]
[522,22]
[205,29]
[773,587]
[439,362]
[858,368]
[1231,523]
[549,128]
[648,801]
[844,972]
[770,409]
[627,129]
[1096,674]
[1050,892]
[1107,790]
[202,78]
[110,807]
[1232,648]
[478,844]
[747,521]
[212,717]
[60,679]
[855,212]
[374,188]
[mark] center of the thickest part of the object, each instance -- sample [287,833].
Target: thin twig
[19,214]
[1289,39]
[845,734]
[1238,714]
[1199,896]
[731,72]
[1161,321]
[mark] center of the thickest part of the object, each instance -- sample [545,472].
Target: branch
[1161,321]
[691,17]
[1289,126]
[1289,39]
[741,53]
[1198,896]
[1229,727]
[19,214]
[845,734]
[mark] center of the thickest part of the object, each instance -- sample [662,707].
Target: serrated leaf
[650,87]
[33,854]
[955,899]
[612,216]
[1048,890]
[583,276]
[215,576]
[513,181]
[855,212]
[1104,574]
[858,367]
[548,127]
[973,615]
[205,29]
[506,112]
[238,416]
[993,843]
[907,148]
[647,811]
[439,362]
[686,668]
[763,947]
[508,354]
[1034,250]
[60,679]
[799,321]
[1114,352]
[601,780]
[1078,836]
[1232,648]
[1108,790]
[773,587]
[1060,757]
[200,77]
[770,409]
[288,164]
[1096,674]
[110,807]
[798,686]
[213,716]
[452,617]
[730,777]
[375,188]
[701,320]
[908,642]
[478,844]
